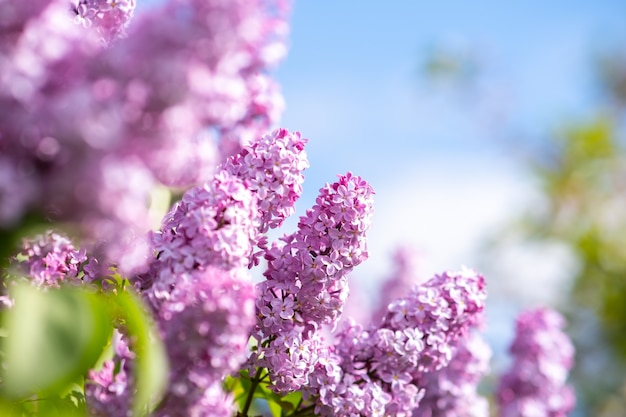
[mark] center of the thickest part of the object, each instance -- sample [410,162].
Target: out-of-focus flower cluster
[51,259]
[88,129]
[543,355]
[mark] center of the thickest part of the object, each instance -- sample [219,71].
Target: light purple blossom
[416,337]
[272,168]
[51,259]
[452,391]
[306,284]
[109,17]
[205,325]
[543,355]
[214,225]
[108,390]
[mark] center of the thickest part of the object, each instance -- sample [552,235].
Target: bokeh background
[493,135]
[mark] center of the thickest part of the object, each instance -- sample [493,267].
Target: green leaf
[151,365]
[54,337]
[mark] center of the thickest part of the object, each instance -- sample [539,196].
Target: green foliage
[51,338]
[151,368]
[252,393]
[54,337]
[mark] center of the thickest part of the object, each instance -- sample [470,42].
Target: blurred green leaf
[54,337]
[151,366]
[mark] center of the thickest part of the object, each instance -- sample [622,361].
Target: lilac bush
[100,114]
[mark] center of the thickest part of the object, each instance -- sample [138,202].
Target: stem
[255,383]
[308,410]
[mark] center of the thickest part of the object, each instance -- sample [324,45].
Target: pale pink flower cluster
[205,325]
[543,355]
[196,283]
[213,225]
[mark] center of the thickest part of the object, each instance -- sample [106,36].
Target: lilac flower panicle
[272,167]
[306,284]
[165,109]
[542,358]
[416,337]
[205,325]
[214,225]
[50,259]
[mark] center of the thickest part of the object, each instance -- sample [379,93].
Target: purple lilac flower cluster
[82,125]
[452,391]
[306,284]
[206,324]
[109,17]
[107,391]
[543,355]
[213,225]
[381,370]
[51,259]
[272,168]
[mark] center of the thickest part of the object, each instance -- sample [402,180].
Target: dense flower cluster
[542,357]
[108,17]
[452,391]
[77,117]
[306,282]
[205,325]
[50,259]
[272,168]
[213,225]
[384,367]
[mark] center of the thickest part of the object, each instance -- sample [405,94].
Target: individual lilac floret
[272,168]
[542,358]
[416,337]
[213,225]
[452,391]
[306,282]
[109,17]
[108,390]
[205,325]
[50,259]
